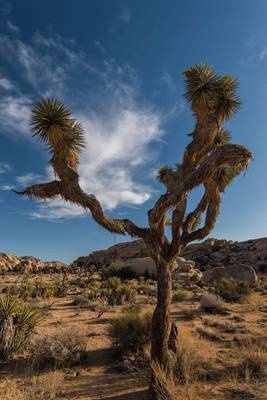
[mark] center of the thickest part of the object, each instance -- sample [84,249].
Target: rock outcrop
[197,257]
[29,264]
[241,273]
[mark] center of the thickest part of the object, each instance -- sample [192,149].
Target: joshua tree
[209,160]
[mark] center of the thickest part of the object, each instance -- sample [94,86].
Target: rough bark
[7,332]
[164,332]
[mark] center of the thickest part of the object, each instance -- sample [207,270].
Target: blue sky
[118,65]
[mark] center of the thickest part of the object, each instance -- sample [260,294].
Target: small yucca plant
[130,331]
[17,321]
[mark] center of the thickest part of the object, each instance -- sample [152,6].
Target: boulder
[184,265]
[142,265]
[241,273]
[185,277]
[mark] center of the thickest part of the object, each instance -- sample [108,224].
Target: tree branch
[69,189]
[213,211]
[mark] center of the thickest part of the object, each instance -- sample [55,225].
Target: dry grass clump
[190,358]
[253,363]
[237,391]
[131,332]
[208,333]
[164,384]
[58,350]
[211,304]
[41,387]
[167,387]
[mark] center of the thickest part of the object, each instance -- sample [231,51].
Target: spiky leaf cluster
[163,172]
[227,102]
[207,91]
[222,137]
[49,117]
[23,317]
[224,177]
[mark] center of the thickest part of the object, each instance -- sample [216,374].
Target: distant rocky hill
[28,264]
[208,254]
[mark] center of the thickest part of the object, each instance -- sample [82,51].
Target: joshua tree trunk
[7,332]
[161,325]
[163,332]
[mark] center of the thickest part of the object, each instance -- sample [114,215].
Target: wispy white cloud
[5,84]
[119,129]
[6,187]
[15,114]
[28,179]
[263,53]
[4,167]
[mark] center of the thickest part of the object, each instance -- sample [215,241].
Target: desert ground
[226,356]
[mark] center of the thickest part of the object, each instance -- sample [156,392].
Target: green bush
[117,293]
[117,269]
[232,290]
[179,295]
[130,331]
[17,321]
[112,283]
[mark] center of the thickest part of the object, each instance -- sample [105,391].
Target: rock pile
[208,254]
[29,264]
[225,258]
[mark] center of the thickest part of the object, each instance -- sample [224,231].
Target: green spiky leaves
[224,177]
[222,137]
[163,172]
[199,82]
[226,102]
[207,91]
[52,123]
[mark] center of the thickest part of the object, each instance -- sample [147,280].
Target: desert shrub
[58,350]
[132,308]
[93,293]
[61,287]
[78,282]
[179,295]
[121,295]
[38,289]
[232,290]
[112,283]
[81,300]
[17,321]
[130,332]
[211,304]
[12,290]
[117,293]
[117,269]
